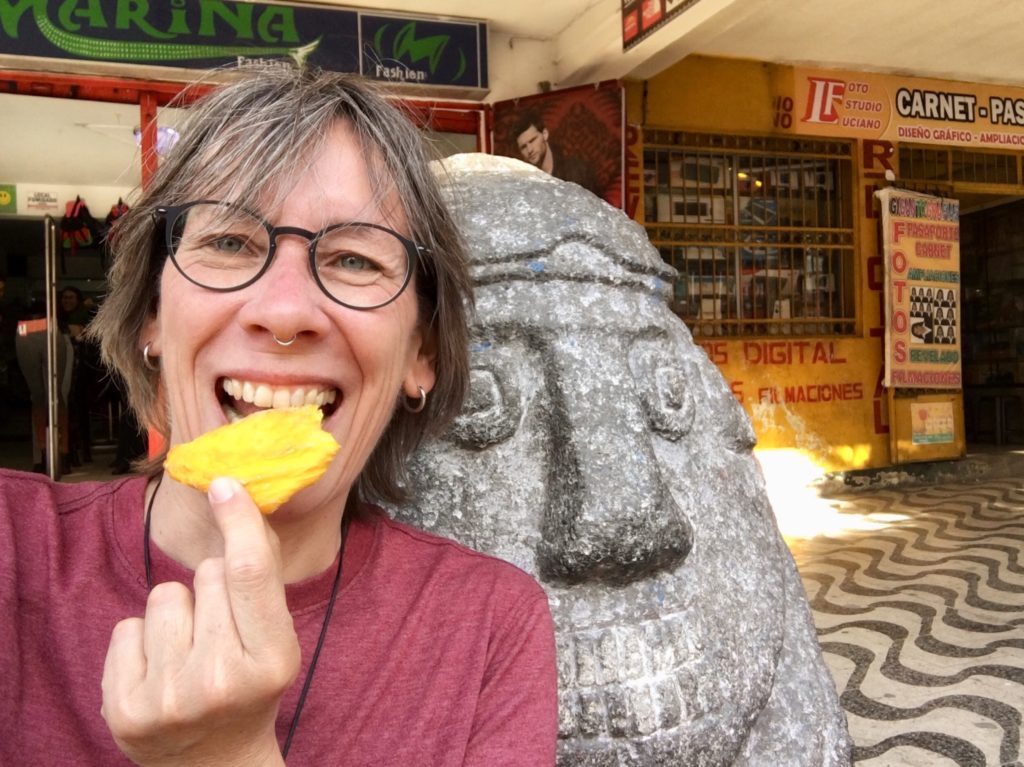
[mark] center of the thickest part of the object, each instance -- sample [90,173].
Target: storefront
[757,182]
[63,84]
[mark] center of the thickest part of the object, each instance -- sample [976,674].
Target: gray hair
[253,138]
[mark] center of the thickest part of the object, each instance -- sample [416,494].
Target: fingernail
[221,489]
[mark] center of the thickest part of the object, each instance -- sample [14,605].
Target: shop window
[950,165]
[759,229]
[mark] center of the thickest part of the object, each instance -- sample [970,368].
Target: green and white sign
[204,34]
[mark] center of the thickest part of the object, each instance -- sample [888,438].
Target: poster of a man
[573,134]
[534,145]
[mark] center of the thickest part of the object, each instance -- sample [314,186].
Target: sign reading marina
[205,34]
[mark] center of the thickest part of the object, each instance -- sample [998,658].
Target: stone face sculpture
[602,451]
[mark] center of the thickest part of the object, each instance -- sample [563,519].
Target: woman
[73,315]
[326,633]
[30,344]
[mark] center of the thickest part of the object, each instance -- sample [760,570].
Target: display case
[760,231]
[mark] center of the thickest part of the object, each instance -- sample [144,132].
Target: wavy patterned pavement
[920,615]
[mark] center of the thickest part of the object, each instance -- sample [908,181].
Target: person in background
[8,325]
[31,350]
[293,246]
[73,315]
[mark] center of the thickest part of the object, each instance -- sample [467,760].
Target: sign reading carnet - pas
[203,34]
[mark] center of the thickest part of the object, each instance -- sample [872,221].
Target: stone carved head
[600,450]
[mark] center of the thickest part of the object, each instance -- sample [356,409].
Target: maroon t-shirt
[436,655]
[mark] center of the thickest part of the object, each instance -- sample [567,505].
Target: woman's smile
[240,397]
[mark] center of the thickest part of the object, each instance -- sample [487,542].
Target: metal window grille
[938,164]
[760,230]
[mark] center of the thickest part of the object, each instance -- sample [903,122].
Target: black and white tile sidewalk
[920,615]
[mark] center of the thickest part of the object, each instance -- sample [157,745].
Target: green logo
[8,198]
[405,47]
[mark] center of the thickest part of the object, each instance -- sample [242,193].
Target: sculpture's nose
[610,514]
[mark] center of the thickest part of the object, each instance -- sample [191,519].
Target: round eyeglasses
[220,246]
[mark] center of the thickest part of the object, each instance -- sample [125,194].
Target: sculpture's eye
[664,383]
[492,408]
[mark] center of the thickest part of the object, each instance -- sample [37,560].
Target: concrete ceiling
[580,41]
[970,40]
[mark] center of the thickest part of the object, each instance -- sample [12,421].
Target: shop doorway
[992,286]
[64,159]
[79,138]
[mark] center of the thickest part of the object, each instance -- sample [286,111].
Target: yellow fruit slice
[273,453]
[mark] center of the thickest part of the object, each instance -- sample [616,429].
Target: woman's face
[362,362]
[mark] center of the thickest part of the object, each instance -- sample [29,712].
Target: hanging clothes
[77,227]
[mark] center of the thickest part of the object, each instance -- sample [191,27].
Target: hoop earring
[419,403]
[147,360]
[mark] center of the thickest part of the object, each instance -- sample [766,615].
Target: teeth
[267,396]
[263,397]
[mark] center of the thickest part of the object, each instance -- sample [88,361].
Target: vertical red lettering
[899,351]
[632,171]
[870,203]
[874,265]
[881,427]
[876,156]
[899,261]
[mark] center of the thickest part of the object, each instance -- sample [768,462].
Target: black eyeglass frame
[170,214]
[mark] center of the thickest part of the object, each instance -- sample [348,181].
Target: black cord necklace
[323,629]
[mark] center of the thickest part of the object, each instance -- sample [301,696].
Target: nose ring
[289,342]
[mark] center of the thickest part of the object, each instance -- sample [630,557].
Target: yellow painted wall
[818,396]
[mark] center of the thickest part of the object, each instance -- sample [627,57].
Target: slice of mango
[273,453]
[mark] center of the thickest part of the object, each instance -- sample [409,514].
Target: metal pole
[52,337]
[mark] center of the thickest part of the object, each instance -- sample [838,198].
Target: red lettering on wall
[717,351]
[881,427]
[876,157]
[881,414]
[826,353]
[871,209]
[736,387]
[875,273]
[819,393]
[633,178]
[791,353]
